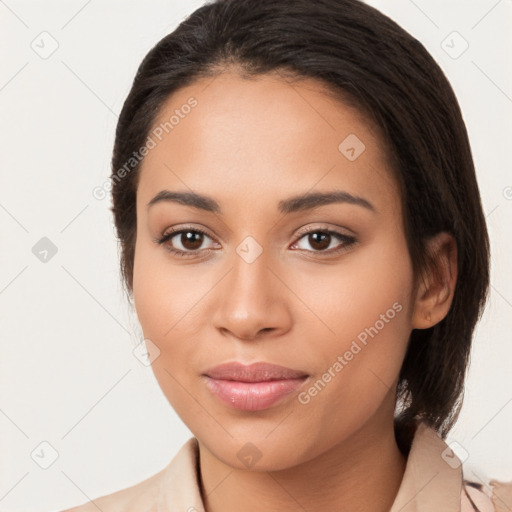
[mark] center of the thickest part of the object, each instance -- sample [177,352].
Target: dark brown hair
[371,62]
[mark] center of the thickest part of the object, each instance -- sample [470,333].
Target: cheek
[164,298]
[366,304]
[169,300]
[164,294]
[352,296]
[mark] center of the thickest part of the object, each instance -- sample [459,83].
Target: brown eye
[185,242]
[191,240]
[321,239]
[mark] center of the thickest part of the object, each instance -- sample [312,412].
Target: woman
[303,240]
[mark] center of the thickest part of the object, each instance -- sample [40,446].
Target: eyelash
[348,240]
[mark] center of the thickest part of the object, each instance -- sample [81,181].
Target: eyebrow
[307,201]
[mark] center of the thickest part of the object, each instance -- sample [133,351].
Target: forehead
[264,138]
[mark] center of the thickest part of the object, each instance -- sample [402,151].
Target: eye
[321,240]
[190,240]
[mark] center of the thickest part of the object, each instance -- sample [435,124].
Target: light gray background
[68,375]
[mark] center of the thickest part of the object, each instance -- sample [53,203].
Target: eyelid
[168,234]
[336,230]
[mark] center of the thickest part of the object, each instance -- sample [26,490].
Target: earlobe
[435,292]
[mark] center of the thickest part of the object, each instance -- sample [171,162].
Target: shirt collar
[432,480]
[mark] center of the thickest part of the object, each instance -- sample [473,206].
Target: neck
[360,474]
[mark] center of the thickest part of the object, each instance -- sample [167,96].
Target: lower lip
[252,396]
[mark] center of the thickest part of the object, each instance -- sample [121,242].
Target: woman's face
[337,307]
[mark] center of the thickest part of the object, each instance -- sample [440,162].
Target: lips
[254,387]
[256,372]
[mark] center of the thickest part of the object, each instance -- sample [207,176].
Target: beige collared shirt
[432,482]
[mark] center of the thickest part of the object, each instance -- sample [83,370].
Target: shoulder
[502,495]
[474,498]
[174,483]
[141,497]
[497,497]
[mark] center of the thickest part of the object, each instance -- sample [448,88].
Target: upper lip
[256,372]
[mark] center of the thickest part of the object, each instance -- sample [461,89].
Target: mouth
[254,387]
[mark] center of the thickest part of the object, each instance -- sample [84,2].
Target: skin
[249,144]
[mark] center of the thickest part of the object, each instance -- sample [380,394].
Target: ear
[435,291]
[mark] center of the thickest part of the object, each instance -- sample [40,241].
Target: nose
[252,301]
